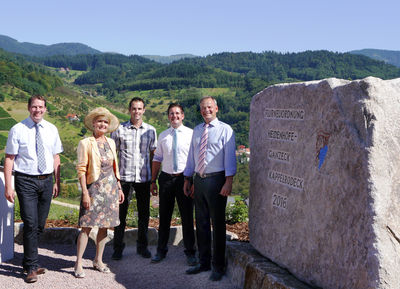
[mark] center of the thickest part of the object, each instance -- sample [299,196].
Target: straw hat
[101,111]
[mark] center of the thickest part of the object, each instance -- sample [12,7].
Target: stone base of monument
[249,269]
[68,235]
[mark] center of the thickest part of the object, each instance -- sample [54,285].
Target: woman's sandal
[103,269]
[79,274]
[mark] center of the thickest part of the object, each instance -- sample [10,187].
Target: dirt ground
[132,271]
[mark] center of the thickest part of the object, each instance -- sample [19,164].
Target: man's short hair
[208,97]
[37,96]
[174,104]
[136,99]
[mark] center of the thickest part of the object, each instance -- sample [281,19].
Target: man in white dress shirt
[172,150]
[32,152]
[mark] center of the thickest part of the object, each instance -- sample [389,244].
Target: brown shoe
[31,277]
[40,271]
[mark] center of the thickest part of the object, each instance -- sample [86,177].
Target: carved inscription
[291,181]
[279,201]
[290,136]
[289,114]
[279,156]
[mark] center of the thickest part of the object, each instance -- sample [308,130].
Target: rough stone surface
[324,181]
[248,269]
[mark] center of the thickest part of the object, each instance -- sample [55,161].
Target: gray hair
[208,97]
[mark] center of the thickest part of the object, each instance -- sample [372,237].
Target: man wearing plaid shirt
[136,142]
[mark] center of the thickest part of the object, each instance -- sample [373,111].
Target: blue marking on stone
[322,155]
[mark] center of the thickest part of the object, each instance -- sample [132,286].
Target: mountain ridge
[388,56]
[71,48]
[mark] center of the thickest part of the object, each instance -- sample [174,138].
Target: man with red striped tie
[212,164]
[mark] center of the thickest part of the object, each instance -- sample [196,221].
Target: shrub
[72,216]
[237,212]
[70,191]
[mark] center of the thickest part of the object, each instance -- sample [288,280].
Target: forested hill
[233,78]
[246,69]
[29,77]
[303,66]
[11,45]
[388,56]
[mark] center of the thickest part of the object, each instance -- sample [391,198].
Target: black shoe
[197,269]
[191,260]
[157,258]
[216,276]
[145,253]
[117,255]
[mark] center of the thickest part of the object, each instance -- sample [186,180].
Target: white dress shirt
[21,142]
[164,153]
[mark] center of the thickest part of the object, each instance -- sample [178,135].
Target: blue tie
[174,151]
[40,151]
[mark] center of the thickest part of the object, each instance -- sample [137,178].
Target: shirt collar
[214,122]
[179,128]
[31,123]
[130,125]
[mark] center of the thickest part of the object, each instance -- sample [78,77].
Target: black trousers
[34,196]
[209,204]
[142,194]
[171,188]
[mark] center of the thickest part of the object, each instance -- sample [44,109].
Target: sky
[203,27]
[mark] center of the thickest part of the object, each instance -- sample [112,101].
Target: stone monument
[325,181]
[6,224]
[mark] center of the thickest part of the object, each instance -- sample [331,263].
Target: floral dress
[104,206]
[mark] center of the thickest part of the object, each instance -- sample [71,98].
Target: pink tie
[202,152]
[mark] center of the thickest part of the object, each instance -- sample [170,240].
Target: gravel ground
[132,271]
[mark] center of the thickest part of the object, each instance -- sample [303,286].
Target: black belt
[173,175]
[210,174]
[39,177]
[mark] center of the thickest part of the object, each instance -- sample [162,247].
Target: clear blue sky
[202,27]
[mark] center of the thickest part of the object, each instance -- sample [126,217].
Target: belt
[210,174]
[39,177]
[173,175]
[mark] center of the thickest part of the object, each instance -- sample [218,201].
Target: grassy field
[57,212]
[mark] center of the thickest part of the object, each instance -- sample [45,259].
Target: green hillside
[240,74]
[30,78]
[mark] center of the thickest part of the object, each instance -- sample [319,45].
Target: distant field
[120,115]
[4,113]
[7,123]
[17,110]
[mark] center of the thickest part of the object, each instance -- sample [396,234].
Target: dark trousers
[142,194]
[170,188]
[209,204]
[34,198]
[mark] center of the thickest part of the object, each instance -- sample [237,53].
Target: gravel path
[132,271]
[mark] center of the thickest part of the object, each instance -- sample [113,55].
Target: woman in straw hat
[101,190]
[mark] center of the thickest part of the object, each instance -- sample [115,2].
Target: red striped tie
[202,151]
